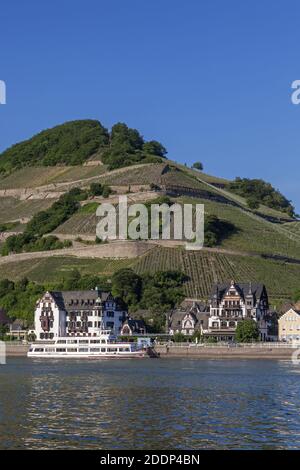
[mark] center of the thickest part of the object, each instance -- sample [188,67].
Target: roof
[244,288]
[18,325]
[176,317]
[76,300]
[288,311]
[135,324]
[288,306]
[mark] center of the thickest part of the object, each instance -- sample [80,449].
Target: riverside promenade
[228,351]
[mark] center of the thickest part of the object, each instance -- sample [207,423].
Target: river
[156,404]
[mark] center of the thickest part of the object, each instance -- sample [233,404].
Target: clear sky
[210,79]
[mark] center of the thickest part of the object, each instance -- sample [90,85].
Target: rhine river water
[149,404]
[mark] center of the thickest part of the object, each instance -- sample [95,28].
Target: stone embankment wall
[217,352]
[16,349]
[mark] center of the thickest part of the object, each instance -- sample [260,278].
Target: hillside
[263,245]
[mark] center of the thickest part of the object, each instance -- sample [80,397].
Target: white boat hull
[133,354]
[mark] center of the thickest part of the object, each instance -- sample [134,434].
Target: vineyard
[14,209]
[55,268]
[145,175]
[32,177]
[253,234]
[79,224]
[204,268]
[293,227]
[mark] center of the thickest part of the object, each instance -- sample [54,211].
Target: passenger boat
[104,345]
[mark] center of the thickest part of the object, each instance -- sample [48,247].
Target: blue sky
[210,79]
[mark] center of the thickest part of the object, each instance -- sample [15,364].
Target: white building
[70,313]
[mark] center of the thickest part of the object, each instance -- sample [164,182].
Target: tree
[96,189]
[198,166]
[155,148]
[247,331]
[106,191]
[252,202]
[127,285]
[262,192]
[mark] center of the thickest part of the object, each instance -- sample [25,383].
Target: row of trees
[257,192]
[157,293]
[74,142]
[45,222]
[128,147]
[33,238]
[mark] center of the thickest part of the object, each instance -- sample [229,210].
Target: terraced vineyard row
[14,209]
[293,227]
[79,224]
[149,174]
[205,268]
[56,268]
[32,177]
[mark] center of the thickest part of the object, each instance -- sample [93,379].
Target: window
[95,349]
[60,349]
[83,349]
[110,314]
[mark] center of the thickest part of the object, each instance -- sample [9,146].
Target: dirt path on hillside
[117,250]
[55,190]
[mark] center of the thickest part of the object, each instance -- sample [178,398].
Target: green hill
[71,143]
[263,246]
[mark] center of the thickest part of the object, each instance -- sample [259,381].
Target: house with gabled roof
[189,318]
[289,326]
[70,313]
[233,302]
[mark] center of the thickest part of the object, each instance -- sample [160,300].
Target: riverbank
[267,351]
[259,351]
[16,349]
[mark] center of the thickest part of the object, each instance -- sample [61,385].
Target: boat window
[103,350]
[83,350]
[39,350]
[72,350]
[83,341]
[49,350]
[60,349]
[61,341]
[95,349]
[95,341]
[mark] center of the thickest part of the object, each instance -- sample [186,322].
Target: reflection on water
[149,404]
